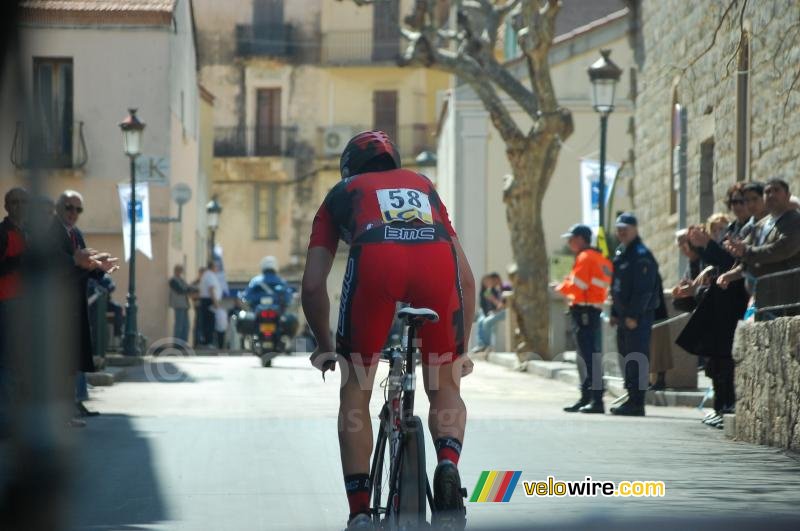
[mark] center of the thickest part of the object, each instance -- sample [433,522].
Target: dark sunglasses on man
[73,208]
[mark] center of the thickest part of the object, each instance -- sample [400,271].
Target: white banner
[142,211]
[590,189]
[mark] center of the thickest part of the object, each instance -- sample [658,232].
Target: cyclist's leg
[366,313]
[443,345]
[437,287]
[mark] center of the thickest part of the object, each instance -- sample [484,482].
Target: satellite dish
[181,193]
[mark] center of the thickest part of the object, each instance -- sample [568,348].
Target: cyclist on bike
[402,248]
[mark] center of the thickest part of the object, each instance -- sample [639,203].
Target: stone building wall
[767,356]
[671,38]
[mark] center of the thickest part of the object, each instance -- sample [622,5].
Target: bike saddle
[417,315]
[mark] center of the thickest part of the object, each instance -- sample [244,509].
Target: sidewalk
[567,371]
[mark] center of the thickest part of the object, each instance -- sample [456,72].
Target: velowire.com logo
[494,486]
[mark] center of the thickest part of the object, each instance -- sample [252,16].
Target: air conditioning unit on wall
[334,139]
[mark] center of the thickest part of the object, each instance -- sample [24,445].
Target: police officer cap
[626,219]
[579,230]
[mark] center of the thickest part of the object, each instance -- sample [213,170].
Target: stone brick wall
[669,36]
[767,356]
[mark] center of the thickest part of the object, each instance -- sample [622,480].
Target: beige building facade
[86,65]
[293,82]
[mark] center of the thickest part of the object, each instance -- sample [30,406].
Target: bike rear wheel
[412,480]
[380,474]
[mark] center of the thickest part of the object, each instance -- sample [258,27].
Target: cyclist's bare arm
[316,304]
[467,288]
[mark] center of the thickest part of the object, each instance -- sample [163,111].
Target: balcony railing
[357,48]
[254,141]
[410,140]
[272,40]
[53,148]
[778,294]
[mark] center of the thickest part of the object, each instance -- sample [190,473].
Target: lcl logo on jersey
[409,214]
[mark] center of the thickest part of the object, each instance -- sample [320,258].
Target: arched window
[743,109]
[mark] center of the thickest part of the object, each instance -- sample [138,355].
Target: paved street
[211,443]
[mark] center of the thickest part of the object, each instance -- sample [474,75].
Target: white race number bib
[404,204]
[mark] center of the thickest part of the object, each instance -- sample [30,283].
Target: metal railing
[778,293]
[241,141]
[410,139]
[269,40]
[358,47]
[54,148]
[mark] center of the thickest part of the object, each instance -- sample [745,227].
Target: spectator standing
[753,193]
[586,289]
[634,292]
[12,247]
[179,292]
[774,246]
[209,291]
[79,263]
[197,332]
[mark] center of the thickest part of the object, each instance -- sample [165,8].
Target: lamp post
[213,209]
[132,130]
[604,75]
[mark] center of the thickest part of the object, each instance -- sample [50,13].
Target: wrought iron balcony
[254,141]
[358,48]
[46,147]
[270,40]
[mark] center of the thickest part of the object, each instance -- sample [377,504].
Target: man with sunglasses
[12,247]
[79,263]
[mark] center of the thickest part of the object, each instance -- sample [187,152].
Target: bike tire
[379,475]
[413,479]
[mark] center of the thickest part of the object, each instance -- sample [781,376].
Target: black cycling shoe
[360,521]
[448,497]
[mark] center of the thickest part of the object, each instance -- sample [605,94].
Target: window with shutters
[52,88]
[268,122]
[706,179]
[385,112]
[386,30]
[266,210]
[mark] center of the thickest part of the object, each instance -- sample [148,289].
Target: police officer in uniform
[586,289]
[634,290]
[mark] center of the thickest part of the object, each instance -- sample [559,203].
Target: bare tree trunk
[523,196]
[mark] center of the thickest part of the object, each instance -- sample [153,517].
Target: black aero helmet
[369,151]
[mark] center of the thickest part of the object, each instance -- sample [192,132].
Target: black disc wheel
[412,480]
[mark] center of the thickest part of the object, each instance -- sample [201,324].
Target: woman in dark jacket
[710,330]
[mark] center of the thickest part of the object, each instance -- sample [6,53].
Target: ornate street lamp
[604,75]
[213,210]
[132,130]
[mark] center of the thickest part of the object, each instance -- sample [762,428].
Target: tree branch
[535,38]
[713,38]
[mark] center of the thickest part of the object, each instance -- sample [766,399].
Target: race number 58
[412,197]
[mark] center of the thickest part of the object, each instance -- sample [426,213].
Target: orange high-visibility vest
[589,280]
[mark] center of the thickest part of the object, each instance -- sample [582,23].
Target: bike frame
[396,412]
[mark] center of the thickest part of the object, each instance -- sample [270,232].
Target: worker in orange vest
[586,288]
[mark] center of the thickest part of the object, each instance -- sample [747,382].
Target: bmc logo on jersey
[424,233]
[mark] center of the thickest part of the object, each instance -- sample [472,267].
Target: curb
[107,377]
[568,373]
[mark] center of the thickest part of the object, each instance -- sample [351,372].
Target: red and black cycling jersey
[397,206]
